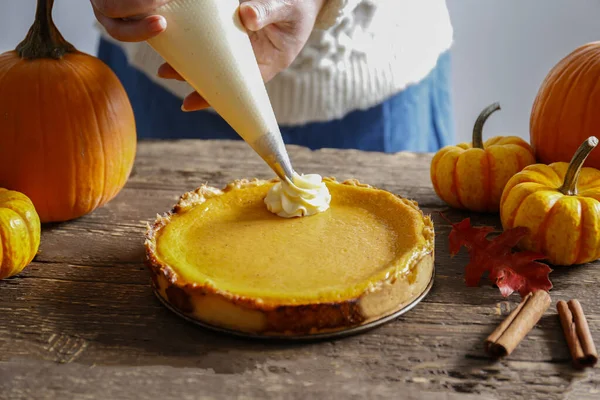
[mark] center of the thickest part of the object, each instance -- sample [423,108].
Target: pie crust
[265,309]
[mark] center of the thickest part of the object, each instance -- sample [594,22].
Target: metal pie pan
[307,337]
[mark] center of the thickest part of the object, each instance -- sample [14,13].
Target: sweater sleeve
[333,11]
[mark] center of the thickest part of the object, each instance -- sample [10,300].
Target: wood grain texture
[81,321]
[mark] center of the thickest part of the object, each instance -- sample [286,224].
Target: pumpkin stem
[478,128]
[43,39]
[569,186]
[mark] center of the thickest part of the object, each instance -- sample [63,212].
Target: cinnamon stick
[577,333]
[519,322]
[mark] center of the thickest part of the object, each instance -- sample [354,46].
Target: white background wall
[16,17]
[503,49]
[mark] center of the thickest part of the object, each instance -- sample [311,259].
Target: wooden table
[82,322]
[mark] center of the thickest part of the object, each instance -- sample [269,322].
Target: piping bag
[206,43]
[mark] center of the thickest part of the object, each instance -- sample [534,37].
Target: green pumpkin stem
[478,128]
[569,186]
[43,39]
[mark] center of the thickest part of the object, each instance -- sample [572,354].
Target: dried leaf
[463,234]
[511,271]
[523,274]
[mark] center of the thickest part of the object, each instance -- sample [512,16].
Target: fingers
[138,27]
[167,72]
[126,8]
[267,72]
[133,30]
[194,102]
[256,14]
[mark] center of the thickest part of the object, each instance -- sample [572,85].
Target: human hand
[278,31]
[130,20]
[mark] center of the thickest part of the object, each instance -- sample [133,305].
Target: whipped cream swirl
[303,196]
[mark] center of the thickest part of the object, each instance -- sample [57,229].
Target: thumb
[256,14]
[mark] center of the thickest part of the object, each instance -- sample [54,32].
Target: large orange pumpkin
[67,128]
[566,110]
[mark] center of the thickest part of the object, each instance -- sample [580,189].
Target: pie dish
[220,258]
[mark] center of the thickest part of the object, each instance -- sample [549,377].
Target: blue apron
[417,119]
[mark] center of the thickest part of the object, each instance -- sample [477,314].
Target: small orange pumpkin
[560,204]
[565,110]
[67,128]
[472,175]
[19,232]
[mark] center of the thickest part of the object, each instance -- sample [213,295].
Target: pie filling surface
[233,243]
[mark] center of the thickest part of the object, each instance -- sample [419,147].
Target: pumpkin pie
[221,258]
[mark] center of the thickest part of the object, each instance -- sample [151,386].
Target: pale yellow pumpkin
[560,204]
[472,176]
[19,232]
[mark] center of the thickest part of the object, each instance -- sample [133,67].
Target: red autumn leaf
[510,271]
[504,243]
[463,234]
[474,270]
[524,274]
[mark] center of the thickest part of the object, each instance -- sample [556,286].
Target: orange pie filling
[223,258]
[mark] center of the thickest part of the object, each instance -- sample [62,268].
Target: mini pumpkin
[19,232]
[560,204]
[67,128]
[565,110]
[472,176]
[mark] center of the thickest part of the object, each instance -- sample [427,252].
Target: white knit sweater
[360,53]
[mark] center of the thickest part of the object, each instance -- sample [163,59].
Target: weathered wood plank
[82,322]
[167,383]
